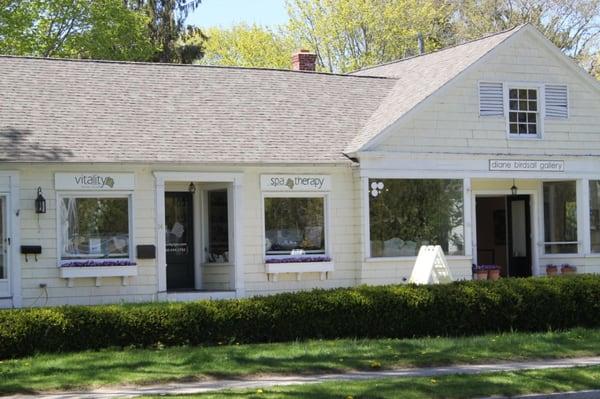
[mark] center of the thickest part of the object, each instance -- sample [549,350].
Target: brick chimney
[304,60]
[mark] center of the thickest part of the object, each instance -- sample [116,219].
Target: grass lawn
[114,366]
[447,387]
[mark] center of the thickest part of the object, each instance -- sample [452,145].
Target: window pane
[95,227]
[514,128]
[405,214]
[532,94]
[560,216]
[523,94]
[218,227]
[522,105]
[513,93]
[514,105]
[533,129]
[595,215]
[532,105]
[531,118]
[522,117]
[522,128]
[294,224]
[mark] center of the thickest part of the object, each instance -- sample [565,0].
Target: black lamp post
[40,202]
[192,188]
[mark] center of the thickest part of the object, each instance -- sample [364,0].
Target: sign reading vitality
[295,182]
[94,181]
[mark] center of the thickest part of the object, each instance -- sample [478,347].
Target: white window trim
[541,109]
[300,267]
[367,219]
[60,195]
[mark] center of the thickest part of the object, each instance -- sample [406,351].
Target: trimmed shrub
[461,308]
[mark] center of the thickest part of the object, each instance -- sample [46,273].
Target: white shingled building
[125,182]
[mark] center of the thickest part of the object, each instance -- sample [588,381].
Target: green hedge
[462,308]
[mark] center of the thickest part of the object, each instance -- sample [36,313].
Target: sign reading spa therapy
[526,165]
[94,181]
[295,182]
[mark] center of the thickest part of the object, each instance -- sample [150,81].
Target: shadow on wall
[15,146]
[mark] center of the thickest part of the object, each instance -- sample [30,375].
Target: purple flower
[98,262]
[299,259]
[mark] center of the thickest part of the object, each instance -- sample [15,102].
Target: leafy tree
[248,46]
[349,34]
[167,26]
[573,26]
[102,29]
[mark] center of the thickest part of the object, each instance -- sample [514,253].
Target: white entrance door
[4,250]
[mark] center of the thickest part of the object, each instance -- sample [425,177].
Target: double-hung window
[95,227]
[523,112]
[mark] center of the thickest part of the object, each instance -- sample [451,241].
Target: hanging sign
[293,183]
[526,165]
[94,181]
[431,266]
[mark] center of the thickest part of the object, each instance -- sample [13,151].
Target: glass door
[519,236]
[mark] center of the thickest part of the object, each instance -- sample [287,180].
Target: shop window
[295,226]
[95,227]
[595,215]
[560,217]
[218,226]
[406,214]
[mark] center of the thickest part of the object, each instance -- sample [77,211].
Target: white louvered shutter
[491,99]
[556,101]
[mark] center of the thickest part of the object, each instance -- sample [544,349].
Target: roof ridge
[515,28]
[162,64]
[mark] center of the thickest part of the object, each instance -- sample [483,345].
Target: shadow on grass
[140,366]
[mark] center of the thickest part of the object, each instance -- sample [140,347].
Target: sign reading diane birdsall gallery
[293,183]
[94,181]
[527,165]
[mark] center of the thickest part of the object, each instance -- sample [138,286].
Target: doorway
[4,250]
[503,225]
[179,240]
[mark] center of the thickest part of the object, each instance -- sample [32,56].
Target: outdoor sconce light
[40,202]
[192,188]
[513,189]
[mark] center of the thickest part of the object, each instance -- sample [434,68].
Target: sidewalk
[269,381]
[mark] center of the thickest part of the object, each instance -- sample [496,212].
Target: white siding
[451,122]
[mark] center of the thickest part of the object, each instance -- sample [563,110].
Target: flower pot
[493,274]
[481,275]
[551,270]
[568,270]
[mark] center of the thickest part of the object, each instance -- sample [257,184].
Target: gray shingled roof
[418,78]
[80,111]
[94,111]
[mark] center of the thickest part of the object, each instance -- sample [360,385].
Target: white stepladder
[431,267]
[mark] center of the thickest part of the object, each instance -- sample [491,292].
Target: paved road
[269,381]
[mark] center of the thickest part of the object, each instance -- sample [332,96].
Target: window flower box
[94,268]
[551,270]
[298,265]
[486,272]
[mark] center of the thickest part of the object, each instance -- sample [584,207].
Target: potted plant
[480,272]
[551,270]
[493,272]
[567,269]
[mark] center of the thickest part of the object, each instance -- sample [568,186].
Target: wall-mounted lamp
[513,189]
[40,202]
[192,188]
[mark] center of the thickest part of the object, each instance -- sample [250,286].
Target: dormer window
[523,112]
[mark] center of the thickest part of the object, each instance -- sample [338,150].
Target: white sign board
[526,165]
[94,181]
[431,267]
[292,183]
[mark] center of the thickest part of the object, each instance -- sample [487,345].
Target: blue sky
[226,13]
